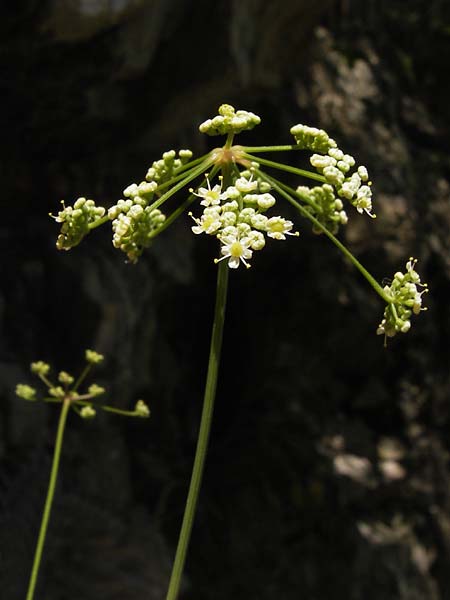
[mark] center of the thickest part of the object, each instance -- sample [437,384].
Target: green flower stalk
[235,199]
[68,396]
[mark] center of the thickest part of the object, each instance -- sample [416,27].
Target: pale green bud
[265,201]
[93,357]
[96,390]
[141,409]
[25,392]
[40,368]
[87,412]
[65,378]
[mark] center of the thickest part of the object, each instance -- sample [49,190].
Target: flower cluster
[134,221]
[335,166]
[324,206]
[229,121]
[134,227]
[236,217]
[311,138]
[68,390]
[167,167]
[75,222]
[406,291]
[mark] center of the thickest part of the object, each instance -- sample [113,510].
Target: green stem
[195,172]
[203,436]
[271,148]
[82,377]
[180,210]
[281,189]
[118,411]
[288,168]
[187,177]
[49,499]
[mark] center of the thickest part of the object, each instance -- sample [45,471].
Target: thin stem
[203,436]
[181,172]
[282,190]
[49,499]
[185,179]
[180,210]
[271,148]
[82,377]
[288,168]
[118,411]
[195,172]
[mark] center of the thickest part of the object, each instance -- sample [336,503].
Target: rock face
[328,471]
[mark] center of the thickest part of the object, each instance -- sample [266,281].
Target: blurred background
[328,473]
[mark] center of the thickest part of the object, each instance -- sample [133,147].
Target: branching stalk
[288,193]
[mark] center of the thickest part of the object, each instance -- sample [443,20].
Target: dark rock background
[328,471]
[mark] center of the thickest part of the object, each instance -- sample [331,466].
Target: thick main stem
[49,499]
[203,436]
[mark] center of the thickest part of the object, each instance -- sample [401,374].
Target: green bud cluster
[57,392]
[311,138]
[68,391]
[335,166]
[236,217]
[65,378]
[229,121]
[167,167]
[96,390]
[40,368]
[134,221]
[92,357]
[406,291]
[134,227]
[87,412]
[324,206]
[26,392]
[75,222]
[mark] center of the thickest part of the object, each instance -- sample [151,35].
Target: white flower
[245,186]
[364,201]
[277,228]
[210,197]
[236,249]
[209,222]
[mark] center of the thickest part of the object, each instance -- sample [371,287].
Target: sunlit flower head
[236,249]
[210,196]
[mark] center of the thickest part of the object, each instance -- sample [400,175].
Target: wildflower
[406,300]
[363,201]
[75,222]
[277,228]
[210,197]
[209,222]
[235,249]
